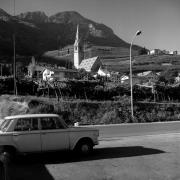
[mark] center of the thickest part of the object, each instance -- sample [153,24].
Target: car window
[4,124]
[59,124]
[48,123]
[26,124]
[34,124]
[51,123]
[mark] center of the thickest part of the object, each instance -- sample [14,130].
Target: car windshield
[4,124]
[1,121]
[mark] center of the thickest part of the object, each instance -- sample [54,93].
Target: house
[155,51]
[177,79]
[148,76]
[35,70]
[48,75]
[91,64]
[173,52]
[135,80]
[59,74]
[49,72]
[165,52]
[124,78]
[103,72]
[145,73]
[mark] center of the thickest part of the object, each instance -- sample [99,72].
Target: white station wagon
[44,132]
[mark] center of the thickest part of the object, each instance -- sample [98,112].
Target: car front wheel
[8,154]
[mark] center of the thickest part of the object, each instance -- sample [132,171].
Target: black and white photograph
[89,90]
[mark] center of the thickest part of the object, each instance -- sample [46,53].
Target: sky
[159,20]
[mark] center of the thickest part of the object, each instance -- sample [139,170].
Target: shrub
[8,108]
[91,112]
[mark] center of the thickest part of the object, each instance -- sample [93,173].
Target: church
[92,57]
[89,64]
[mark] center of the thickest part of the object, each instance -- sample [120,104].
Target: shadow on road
[2,176]
[98,154]
[33,166]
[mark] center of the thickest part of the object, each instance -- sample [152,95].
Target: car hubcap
[85,148]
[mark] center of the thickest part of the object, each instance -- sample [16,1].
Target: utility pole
[14,58]
[1,69]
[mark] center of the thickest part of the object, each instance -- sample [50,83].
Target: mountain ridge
[4,15]
[35,16]
[37,33]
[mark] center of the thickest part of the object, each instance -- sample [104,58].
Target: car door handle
[43,133]
[15,134]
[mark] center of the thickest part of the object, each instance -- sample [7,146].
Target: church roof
[90,64]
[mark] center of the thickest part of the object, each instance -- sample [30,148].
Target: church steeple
[77,36]
[77,50]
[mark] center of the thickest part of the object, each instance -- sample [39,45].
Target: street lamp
[130,66]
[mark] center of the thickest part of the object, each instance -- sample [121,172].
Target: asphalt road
[125,152]
[137,129]
[154,157]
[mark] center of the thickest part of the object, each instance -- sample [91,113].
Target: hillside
[37,33]
[144,63]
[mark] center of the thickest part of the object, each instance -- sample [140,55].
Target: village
[89,90]
[99,61]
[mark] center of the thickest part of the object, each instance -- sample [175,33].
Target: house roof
[145,73]
[90,64]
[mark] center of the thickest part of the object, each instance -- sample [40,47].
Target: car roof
[30,116]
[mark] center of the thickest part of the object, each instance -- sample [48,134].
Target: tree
[168,76]
[83,74]
[143,51]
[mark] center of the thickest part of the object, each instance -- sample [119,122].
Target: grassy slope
[144,63]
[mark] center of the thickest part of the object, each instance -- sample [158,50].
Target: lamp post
[130,76]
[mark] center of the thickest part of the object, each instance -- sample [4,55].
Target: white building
[173,52]
[124,78]
[145,73]
[48,75]
[103,72]
[155,51]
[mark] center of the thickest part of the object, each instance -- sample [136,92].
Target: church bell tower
[77,50]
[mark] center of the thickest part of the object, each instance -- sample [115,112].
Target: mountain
[37,33]
[68,17]
[4,16]
[34,17]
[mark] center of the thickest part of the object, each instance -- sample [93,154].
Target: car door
[54,136]
[26,135]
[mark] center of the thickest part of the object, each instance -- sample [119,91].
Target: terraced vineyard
[144,63]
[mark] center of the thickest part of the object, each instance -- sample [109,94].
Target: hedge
[92,112]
